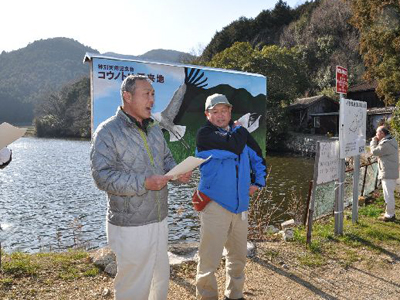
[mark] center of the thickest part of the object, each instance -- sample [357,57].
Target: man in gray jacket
[129,157]
[385,147]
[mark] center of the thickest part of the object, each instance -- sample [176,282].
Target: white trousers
[388,186]
[220,228]
[142,261]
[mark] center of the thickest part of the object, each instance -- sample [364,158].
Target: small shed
[375,116]
[318,114]
[365,91]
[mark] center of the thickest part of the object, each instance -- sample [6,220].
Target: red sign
[341,80]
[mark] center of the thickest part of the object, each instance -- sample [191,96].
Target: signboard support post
[339,196]
[312,203]
[356,180]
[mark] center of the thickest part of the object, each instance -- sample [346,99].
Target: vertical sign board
[180,95]
[326,169]
[341,80]
[328,162]
[353,127]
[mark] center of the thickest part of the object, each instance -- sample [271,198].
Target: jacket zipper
[146,145]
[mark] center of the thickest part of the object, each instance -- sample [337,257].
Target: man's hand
[156,182]
[184,178]
[253,189]
[237,123]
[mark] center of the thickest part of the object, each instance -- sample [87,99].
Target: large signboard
[180,93]
[352,127]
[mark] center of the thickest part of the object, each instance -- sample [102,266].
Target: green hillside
[30,73]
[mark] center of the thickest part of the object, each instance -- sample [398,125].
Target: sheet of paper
[9,134]
[185,166]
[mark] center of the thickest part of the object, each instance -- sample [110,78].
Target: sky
[130,27]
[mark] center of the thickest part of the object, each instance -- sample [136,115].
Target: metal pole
[356,180]
[339,199]
[339,195]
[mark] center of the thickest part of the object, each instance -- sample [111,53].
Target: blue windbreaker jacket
[236,163]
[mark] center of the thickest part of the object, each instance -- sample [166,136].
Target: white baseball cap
[216,99]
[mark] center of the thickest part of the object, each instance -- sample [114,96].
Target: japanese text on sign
[328,162]
[341,80]
[111,72]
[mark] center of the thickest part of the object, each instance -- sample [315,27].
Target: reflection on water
[48,199]
[289,175]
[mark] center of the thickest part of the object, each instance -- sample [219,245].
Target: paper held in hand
[9,134]
[189,164]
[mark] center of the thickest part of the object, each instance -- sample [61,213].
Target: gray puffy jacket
[120,163]
[388,157]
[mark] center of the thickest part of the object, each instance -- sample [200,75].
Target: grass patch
[67,265]
[312,260]
[19,264]
[369,236]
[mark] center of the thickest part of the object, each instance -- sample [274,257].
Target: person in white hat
[5,157]
[226,179]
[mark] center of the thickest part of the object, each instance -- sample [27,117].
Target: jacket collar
[128,118]
[208,123]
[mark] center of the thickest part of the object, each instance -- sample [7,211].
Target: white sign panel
[352,129]
[328,162]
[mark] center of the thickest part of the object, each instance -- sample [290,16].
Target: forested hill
[43,67]
[29,73]
[265,29]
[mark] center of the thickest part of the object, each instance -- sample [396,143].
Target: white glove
[5,155]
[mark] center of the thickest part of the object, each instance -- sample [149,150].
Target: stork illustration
[250,121]
[167,117]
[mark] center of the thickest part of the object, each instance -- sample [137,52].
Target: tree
[65,113]
[286,76]
[326,39]
[265,29]
[379,24]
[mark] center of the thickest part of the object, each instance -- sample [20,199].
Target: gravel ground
[282,277]
[273,273]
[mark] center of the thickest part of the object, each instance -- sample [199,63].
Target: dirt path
[275,272]
[281,277]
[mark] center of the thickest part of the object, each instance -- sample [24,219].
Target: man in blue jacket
[235,171]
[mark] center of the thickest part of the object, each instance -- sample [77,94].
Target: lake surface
[48,200]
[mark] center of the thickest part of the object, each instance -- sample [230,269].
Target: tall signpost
[341,88]
[352,132]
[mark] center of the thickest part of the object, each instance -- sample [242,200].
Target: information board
[352,127]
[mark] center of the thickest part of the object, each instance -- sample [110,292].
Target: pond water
[48,200]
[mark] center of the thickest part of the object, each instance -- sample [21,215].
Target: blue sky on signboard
[167,79]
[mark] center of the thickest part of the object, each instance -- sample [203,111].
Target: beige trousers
[220,228]
[142,261]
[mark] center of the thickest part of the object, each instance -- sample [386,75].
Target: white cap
[216,99]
